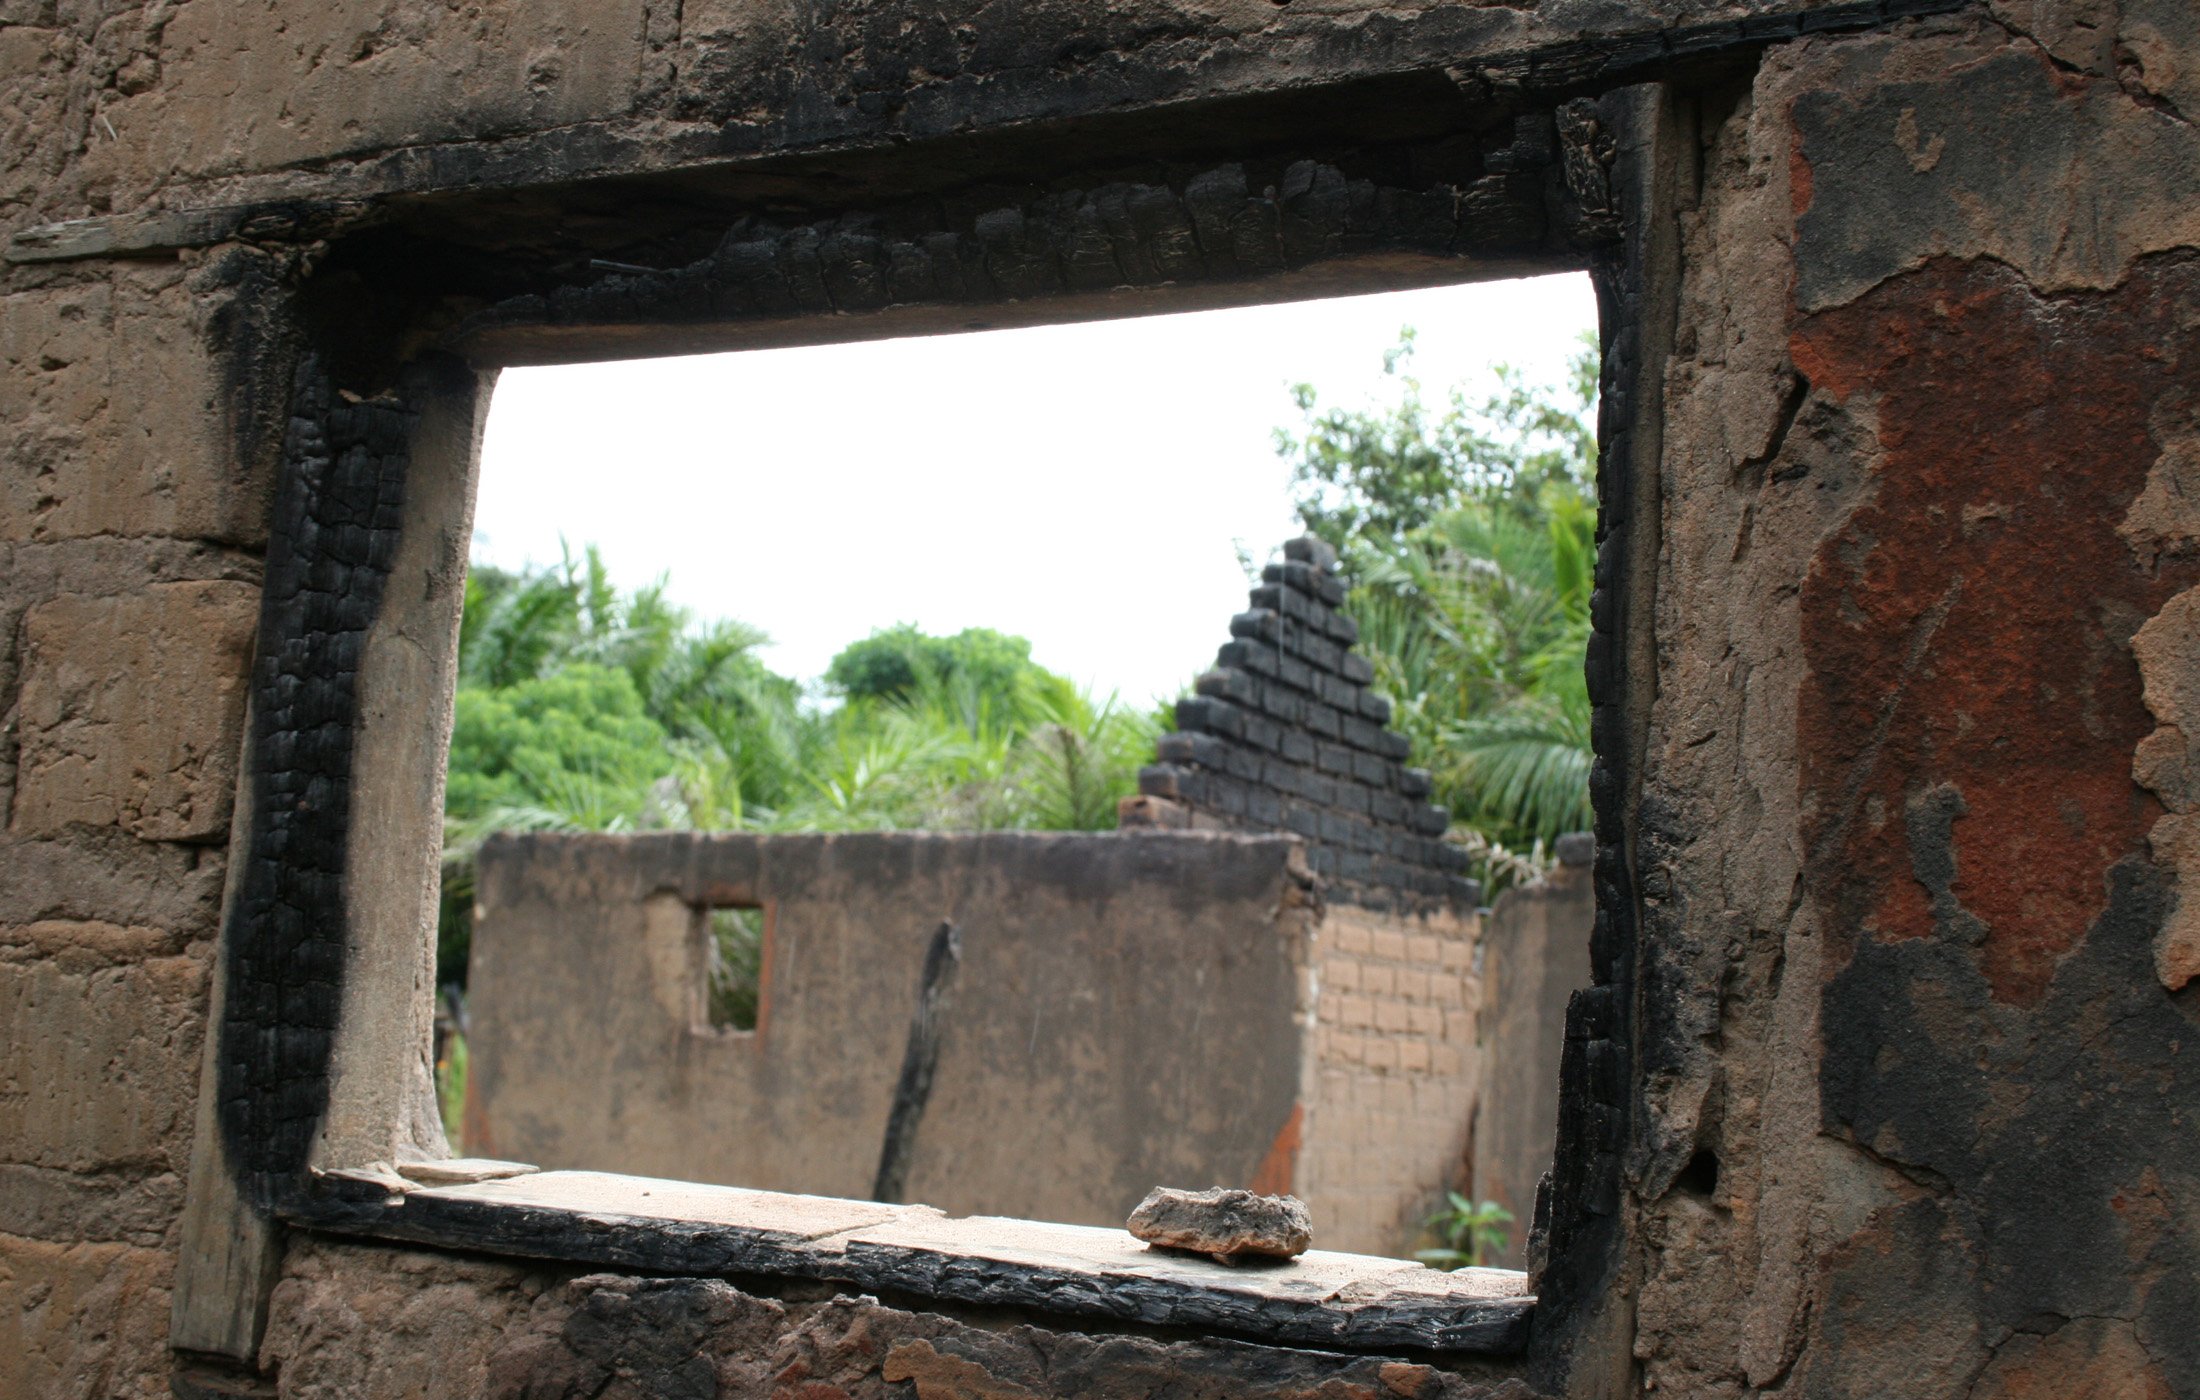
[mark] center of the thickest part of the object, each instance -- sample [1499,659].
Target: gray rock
[1227,1223]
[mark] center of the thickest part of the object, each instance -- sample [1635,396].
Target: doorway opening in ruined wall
[847,795]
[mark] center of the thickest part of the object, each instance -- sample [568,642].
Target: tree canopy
[586,707]
[1467,531]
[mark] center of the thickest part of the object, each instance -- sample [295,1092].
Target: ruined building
[1883,1085]
[1295,1008]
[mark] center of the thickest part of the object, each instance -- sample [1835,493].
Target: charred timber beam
[1515,77]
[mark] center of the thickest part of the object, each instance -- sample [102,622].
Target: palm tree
[1477,626]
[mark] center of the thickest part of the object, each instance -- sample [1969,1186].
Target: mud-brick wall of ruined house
[1284,734]
[1918,1063]
[130,542]
[1875,209]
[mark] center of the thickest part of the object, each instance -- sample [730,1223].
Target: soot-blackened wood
[1609,61]
[334,534]
[1415,1322]
[1577,1237]
[913,1091]
[1223,224]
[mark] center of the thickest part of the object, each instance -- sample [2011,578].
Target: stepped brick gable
[1285,735]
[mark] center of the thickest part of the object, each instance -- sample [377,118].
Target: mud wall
[1534,956]
[1113,1014]
[1916,1018]
[1391,1085]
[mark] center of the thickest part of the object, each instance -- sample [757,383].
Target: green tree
[1368,480]
[582,707]
[575,750]
[1467,534]
[897,663]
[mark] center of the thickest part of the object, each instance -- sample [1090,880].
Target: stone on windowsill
[1227,1224]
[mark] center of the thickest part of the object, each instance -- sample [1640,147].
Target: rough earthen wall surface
[369,1321]
[1912,1094]
[1119,1011]
[129,577]
[1533,956]
[1917,1057]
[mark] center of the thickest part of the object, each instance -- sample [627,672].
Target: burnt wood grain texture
[1578,1233]
[337,515]
[920,1060]
[1232,222]
[1401,1320]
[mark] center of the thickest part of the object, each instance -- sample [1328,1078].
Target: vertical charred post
[1577,1243]
[918,1063]
[334,536]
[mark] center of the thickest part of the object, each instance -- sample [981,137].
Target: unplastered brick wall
[1284,735]
[1394,1071]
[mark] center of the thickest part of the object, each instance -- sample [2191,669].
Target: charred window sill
[1332,1300]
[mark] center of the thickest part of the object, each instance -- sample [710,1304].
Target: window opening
[1117,840]
[734,972]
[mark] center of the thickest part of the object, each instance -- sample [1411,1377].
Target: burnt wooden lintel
[1518,78]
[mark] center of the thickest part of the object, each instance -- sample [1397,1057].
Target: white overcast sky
[1080,485]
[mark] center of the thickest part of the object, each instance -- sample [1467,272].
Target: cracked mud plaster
[1915,511]
[132,711]
[83,1321]
[1757,468]
[1976,144]
[114,418]
[2168,648]
[1970,626]
[2165,520]
[1978,851]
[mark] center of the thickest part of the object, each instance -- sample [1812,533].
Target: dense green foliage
[582,707]
[1467,534]
[1466,530]
[894,664]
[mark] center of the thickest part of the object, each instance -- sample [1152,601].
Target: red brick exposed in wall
[1968,629]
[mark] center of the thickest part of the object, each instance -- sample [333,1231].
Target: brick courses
[1395,1073]
[1283,734]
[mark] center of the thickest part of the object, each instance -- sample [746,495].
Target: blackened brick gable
[1284,735]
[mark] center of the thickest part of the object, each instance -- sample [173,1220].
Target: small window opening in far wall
[733,966]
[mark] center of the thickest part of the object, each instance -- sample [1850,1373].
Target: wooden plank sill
[1351,1301]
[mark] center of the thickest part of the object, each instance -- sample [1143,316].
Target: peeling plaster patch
[132,710]
[2168,649]
[2086,1358]
[1917,147]
[1984,684]
[2165,519]
[1970,624]
[939,1377]
[1923,157]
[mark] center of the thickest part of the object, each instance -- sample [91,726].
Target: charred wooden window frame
[362,350]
